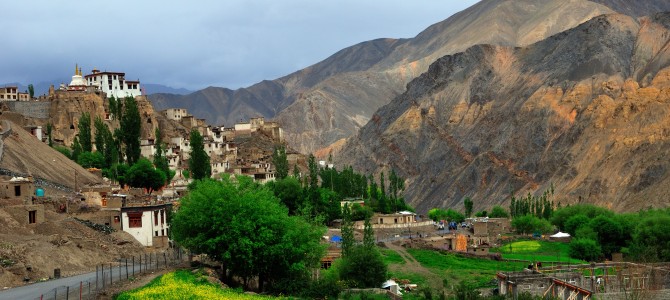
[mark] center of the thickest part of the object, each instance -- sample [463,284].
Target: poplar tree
[160,161]
[198,163]
[280,162]
[84,127]
[131,127]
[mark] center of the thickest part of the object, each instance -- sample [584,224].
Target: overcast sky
[226,43]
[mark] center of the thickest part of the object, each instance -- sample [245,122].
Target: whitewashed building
[147,224]
[113,84]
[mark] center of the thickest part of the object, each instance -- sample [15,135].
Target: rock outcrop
[586,110]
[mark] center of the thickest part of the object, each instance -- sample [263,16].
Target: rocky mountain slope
[585,110]
[333,98]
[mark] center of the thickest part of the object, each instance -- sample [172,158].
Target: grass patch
[391,257]
[182,284]
[456,268]
[537,251]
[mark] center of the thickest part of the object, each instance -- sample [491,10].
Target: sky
[196,44]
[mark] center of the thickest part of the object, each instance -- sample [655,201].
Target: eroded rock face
[585,110]
[67,107]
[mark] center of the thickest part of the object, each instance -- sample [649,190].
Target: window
[134,219]
[156,217]
[156,233]
[32,217]
[163,216]
[381,220]
[17,190]
[104,202]
[116,219]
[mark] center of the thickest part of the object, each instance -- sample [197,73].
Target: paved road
[57,288]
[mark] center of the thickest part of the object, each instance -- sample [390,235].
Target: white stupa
[77,83]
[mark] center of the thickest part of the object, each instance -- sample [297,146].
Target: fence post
[149,260]
[126,268]
[102,272]
[133,265]
[89,290]
[165,259]
[67,292]
[56,293]
[81,287]
[120,271]
[140,263]
[111,274]
[96,277]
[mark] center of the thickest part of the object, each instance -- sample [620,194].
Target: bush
[585,249]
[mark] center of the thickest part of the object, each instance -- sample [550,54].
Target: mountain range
[585,113]
[507,96]
[332,99]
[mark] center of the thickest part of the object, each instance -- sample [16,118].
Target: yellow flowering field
[183,284]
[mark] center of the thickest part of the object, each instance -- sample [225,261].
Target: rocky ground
[30,253]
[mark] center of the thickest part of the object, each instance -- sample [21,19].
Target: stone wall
[31,109]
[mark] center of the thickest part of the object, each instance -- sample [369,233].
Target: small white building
[113,84]
[175,114]
[147,224]
[11,93]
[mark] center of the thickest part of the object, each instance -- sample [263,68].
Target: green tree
[99,136]
[245,227]
[64,150]
[50,128]
[560,216]
[91,160]
[610,234]
[530,224]
[280,162]
[143,175]
[31,91]
[313,172]
[85,132]
[76,149]
[160,161]
[111,148]
[498,212]
[296,171]
[368,235]
[118,172]
[198,163]
[574,222]
[363,268]
[468,206]
[347,228]
[585,249]
[131,128]
[289,191]
[651,237]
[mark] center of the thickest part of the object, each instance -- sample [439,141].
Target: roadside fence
[110,273]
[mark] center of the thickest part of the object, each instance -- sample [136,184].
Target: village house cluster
[143,216]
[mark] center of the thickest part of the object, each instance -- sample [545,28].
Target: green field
[391,257]
[183,284]
[537,251]
[456,268]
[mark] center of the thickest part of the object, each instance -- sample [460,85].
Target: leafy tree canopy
[245,227]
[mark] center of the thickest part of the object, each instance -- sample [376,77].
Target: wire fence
[108,274]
